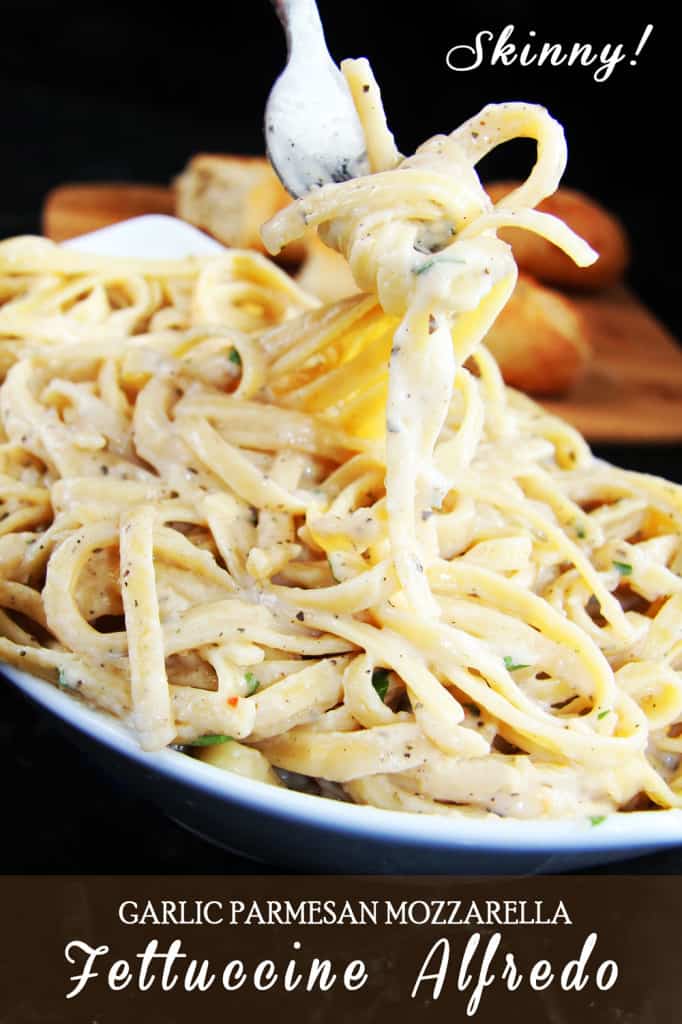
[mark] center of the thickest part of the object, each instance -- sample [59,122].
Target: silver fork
[312,130]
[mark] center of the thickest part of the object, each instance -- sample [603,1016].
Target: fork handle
[302,26]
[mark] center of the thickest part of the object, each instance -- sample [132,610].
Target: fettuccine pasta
[326,545]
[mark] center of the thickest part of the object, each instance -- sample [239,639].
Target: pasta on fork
[327,543]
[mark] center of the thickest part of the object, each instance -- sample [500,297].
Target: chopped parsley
[234,357]
[380,681]
[511,665]
[603,714]
[252,684]
[422,268]
[581,532]
[210,740]
[624,568]
[61,680]
[597,819]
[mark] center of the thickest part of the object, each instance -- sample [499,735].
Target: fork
[312,130]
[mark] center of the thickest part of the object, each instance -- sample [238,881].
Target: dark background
[129,92]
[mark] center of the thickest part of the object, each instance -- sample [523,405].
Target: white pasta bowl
[305,832]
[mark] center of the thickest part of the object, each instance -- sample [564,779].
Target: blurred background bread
[230,197]
[540,339]
[324,271]
[590,220]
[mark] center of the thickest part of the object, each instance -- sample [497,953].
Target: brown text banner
[95,950]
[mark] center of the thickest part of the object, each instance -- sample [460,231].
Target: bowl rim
[618,831]
[633,831]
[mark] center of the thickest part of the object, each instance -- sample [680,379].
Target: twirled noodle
[327,543]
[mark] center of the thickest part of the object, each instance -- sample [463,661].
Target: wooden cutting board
[72,210]
[632,391]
